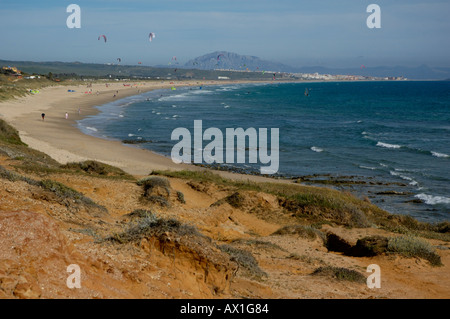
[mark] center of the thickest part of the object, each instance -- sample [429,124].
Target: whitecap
[407,178]
[386,145]
[316,149]
[439,154]
[433,200]
[130,135]
[92,129]
[367,167]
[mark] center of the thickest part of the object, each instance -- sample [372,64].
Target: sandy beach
[59,137]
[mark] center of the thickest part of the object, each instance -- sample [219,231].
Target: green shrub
[9,134]
[156,190]
[69,196]
[139,213]
[153,181]
[151,225]
[180,197]
[340,273]
[410,246]
[155,199]
[97,168]
[14,177]
[244,259]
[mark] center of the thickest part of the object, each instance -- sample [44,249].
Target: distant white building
[223,78]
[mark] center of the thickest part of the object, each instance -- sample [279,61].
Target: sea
[388,141]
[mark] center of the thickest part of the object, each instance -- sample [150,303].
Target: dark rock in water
[415,201]
[136,141]
[393,193]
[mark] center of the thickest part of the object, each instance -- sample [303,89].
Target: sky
[327,33]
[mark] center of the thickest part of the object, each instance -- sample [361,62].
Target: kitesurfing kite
[102,36]
[151,36]
[119,59]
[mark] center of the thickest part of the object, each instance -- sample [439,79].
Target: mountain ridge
[235,61]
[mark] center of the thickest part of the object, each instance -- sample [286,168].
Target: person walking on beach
[43,116]
[67,115]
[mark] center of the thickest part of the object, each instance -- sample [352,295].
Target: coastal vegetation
[319,205]
[207,232]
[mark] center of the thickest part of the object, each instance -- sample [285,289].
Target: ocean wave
[386,145]
[436,154]
[91,129]
[367,167]
[316,149]
[407,178]
[201,92]
[433,200]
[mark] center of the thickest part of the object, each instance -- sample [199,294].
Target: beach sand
[59,137]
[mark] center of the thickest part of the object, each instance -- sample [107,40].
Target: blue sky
[301,33]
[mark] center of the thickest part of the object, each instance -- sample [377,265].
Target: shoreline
[64,141]
[61,139]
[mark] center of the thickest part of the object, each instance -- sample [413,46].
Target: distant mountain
[234,61]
